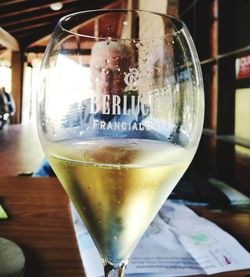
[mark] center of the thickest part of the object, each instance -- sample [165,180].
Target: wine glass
[120,115]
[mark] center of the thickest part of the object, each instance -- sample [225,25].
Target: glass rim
[103,11]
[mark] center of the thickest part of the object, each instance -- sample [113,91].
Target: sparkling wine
[118,186]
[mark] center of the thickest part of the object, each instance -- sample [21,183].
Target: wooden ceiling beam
[112,5]
[5,54]
[37,17]
[32,9]
[11,2]
[8,41]
[32,26]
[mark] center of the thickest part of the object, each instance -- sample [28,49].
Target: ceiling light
[56,6]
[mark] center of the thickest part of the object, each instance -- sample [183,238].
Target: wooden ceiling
[29,21]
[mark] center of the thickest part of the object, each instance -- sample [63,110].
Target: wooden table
[40,223]
[20,148]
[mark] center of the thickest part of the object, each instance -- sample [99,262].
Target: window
[220,30]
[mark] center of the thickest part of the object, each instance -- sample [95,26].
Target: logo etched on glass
[131,79]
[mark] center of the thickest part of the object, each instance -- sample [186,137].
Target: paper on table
[160,252]
[177,243]
[214,249]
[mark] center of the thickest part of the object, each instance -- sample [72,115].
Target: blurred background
[220,29]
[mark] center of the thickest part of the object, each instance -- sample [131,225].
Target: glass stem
[112,271]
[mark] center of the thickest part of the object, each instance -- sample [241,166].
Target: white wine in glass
[119,116]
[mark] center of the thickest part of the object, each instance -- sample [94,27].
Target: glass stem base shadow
[112,271]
